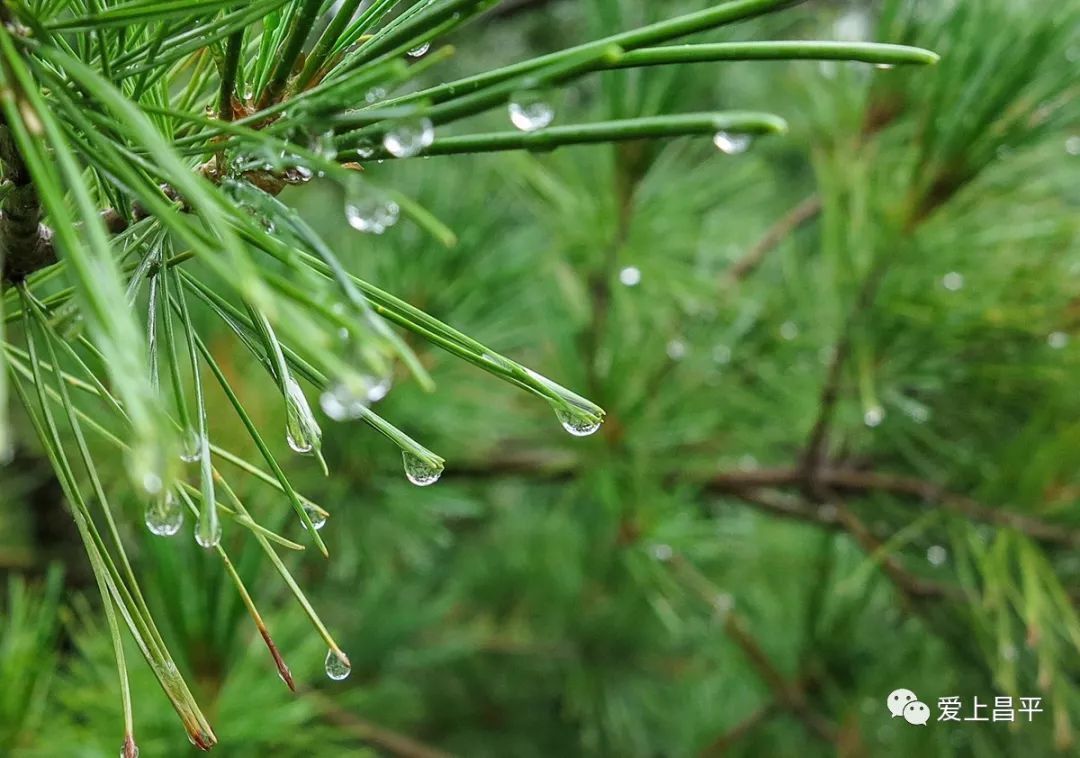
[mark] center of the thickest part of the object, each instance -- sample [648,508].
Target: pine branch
[862,481]
[726,741]
[26,242]
[392,742]
[784,227]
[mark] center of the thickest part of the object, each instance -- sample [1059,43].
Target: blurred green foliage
[688,581]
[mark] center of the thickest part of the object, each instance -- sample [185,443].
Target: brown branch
[728,739]
[858,481]
[791,696]
[25,243]
[817,442]
[777,233]
[385,739]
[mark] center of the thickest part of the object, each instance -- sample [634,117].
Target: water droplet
[577,422]
[937,555]
[884,66]
[852,26]
[337,666]
[302,431]
[661,552]
[953,281]
[723,603]
[418,52]
[164,516]
[365,149]
[676,349]
[419,471]
[874,416]
[531,110]
[1072,145]
[721,354]
[408,137]
[789,330]
[748,463]
[318,518]
[339,403]
[731,143]
[325,146]
[146,469]
[1057,340]
[298,174]
[1008,651]
[190,446]
[374,95]
[208,528]
[371,214]
[630,276]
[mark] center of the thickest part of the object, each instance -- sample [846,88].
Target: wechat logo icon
[906,704]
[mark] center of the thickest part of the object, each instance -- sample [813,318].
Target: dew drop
[373,214]
[302,431]
[298,174]
[144,468]
[884,66]
[420,472]
[630,276]
[339,403]
[408,137]
[676,349]
[531,110]
[577,423]
[325,146]
[661,552]
[1072,145]
[191,446]
[789,330]
[937,555]
[208,529]
[1057,340]
[419,52]
[723,603]
[164,516]
[953,281]
[731,143]
[364,149]
[374,95]
[318,517]
[721,354]
[337,666]
[874,416]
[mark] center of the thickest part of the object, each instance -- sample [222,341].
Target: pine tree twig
[789,696]
[817,442]
[786,225]
[860,481]
[26,242]
[385,739]
[911,587]
[735,734]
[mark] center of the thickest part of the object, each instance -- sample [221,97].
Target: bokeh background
[840,455]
